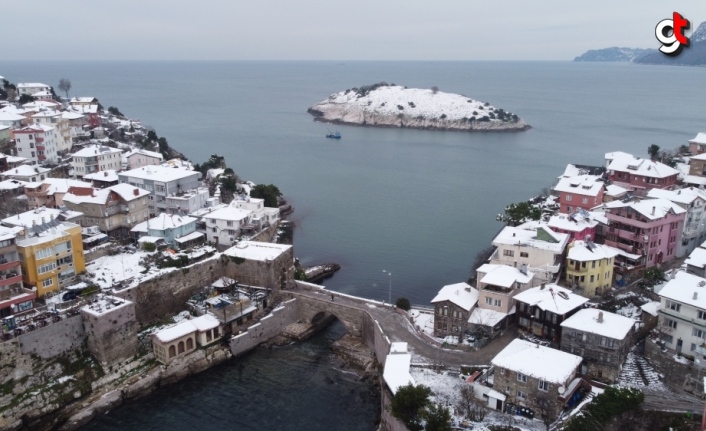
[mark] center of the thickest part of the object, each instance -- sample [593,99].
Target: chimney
[105,173]
[653,210]
[136,192]
[696,295]
[513,234]
[600,317]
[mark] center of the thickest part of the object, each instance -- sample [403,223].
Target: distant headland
[389,105]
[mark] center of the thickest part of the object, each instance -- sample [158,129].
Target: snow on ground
[446,389]
[629,310]
[637,372]
[178,318]
[107,271]
[424,321]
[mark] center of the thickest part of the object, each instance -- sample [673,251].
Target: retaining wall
[268,327]
[54,340]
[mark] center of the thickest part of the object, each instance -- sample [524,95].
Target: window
[524,254]
[229,223]
[701,314]
[568,198]
[48,282]
[593,264]
[489,300]
[521,378]
[159,189]
[508,253]
[671,323]
[607,342]
[46,268]
[698,333]
[44,253]
[544,385]
[524,322]
[498,303]
[673,306]
[584,200]
[521,395]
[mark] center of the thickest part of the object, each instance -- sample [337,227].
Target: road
[398,328]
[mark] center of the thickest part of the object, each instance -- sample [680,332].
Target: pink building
[582,191]
[639,175]
[647,231]
[577,226]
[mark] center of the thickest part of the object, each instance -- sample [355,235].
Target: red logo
[670,33]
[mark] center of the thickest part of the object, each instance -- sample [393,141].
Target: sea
[417,204]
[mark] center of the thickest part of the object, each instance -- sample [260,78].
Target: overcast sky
[330,29]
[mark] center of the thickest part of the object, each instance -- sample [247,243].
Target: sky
[331,29]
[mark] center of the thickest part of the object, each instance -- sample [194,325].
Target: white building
[682,314]
[226,225]
[31,88]
[536,246]
[187,202]
[693,200]
[138,158]
[26,173]
[37,143]
[55,119]
[95,158]
[12,119]
[262,216]
[162,182]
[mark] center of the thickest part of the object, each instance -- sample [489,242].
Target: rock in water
[383,105]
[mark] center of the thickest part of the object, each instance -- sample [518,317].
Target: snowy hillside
[396,106]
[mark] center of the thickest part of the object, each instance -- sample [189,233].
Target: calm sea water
[420,204]
[293,388]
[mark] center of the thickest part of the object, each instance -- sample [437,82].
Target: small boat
[333,135]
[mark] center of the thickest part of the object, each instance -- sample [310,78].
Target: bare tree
[481,258]
[471,406]
[65,86]
[434,89]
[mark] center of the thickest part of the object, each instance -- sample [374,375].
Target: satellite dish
[561,390]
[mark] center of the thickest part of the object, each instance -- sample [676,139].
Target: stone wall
[55,339]
[267,235]
[98,252]
[264,274]
[675,373]
[112,335]
[268,327]
[167,294]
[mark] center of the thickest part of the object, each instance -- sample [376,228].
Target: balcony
[6,280]
[6,264]
[41,157]
[41,148]
[15,295]
[39,140]
[497,289]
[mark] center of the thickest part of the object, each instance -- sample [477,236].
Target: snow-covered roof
[108,176]
[189,237]
[695,180]
[503,275]
[615,191]
[205,322]
[59,185]
[95,150]
[396,373]
[228,213]
[11,184]
[461,294]
[687,289]
[159,173]
[528,238]
[177,331]
[140,228]
[684,196]
[699,139]
[549,299]
[581,251]
[486,317]
[100,196]
[105,304]
[253,250]
[152,154]
[35,216]
[147,238]
[571,222]
[652,209]
[697,258]
[68,115]
[8,232]
[623,162]
[586,185]
[651,307]
[32,85]
[612,325]
[10,116]
[537,361]
[25,171]
[168,221]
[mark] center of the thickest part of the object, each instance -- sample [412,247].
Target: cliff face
[383,105]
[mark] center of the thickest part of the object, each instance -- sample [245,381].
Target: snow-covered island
[385,105]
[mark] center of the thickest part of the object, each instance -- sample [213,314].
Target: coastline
[525,127]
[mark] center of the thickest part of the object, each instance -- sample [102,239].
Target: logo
[670,33]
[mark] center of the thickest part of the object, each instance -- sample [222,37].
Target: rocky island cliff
[389,105]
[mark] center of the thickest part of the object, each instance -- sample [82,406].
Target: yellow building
[51,255]
[589,267]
